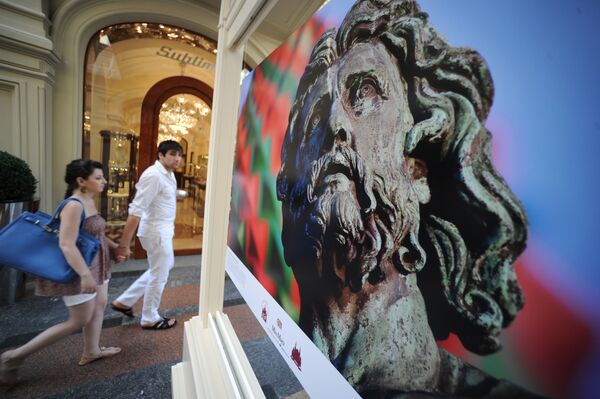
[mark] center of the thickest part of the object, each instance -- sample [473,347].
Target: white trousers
[151,284]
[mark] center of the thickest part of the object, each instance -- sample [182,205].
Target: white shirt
[155,202]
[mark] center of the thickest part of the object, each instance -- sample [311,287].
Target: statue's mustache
[351,221]
[347,208]
[346,161]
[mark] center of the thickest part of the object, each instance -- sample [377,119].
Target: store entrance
[134,72]
[178,108]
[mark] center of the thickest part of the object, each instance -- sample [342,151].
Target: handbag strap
[54,221]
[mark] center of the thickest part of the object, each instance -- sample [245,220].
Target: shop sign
[185,58]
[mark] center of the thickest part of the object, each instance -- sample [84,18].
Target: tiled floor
[142,370]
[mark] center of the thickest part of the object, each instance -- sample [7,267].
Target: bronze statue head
[387,177]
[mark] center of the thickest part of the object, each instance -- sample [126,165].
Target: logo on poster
[296,357]
[278,336]
[263,313]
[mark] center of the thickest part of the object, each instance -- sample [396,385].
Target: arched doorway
[149,127]
[130,69]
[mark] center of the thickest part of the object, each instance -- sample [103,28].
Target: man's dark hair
[168,145]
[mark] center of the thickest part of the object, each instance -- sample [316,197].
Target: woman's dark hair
[79,168]
[169,145]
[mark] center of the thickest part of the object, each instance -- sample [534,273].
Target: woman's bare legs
[93,329]
[79,316]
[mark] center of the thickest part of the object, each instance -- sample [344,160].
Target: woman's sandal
[126,311]
[9,370]
[104,352]
[162,324]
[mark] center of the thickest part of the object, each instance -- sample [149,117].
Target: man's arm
[123,251]
[146,190]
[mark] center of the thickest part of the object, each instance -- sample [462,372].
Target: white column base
[214,364]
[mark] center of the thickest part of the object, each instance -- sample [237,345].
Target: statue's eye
[315,117]
[367,89]
[365,94]
[315,120]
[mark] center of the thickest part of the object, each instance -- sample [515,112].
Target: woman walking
[86,296]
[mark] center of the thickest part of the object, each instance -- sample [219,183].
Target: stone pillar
[27,65]
[26,82]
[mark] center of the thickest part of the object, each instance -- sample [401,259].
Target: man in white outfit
[153,209]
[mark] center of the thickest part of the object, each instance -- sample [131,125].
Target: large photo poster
[371,232]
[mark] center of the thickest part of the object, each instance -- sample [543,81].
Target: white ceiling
[283,19]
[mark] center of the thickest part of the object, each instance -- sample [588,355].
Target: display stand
[119,160]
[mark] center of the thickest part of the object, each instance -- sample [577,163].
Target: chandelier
[179,114]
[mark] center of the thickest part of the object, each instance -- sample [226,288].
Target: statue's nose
[338,124]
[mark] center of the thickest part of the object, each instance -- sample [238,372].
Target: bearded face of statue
[351,204]
[356,212]
[360,193]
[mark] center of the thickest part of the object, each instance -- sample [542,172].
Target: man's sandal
[126,311]
[163,324]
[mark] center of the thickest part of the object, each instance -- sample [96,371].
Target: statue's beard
[351,223]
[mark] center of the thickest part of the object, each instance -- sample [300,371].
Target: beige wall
[27,66]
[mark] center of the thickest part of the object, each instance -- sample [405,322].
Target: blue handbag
[30,244]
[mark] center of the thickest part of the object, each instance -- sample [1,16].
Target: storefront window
[122,63]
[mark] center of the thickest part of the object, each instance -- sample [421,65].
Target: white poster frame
[313,370]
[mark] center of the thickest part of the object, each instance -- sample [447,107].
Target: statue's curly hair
[474,227]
